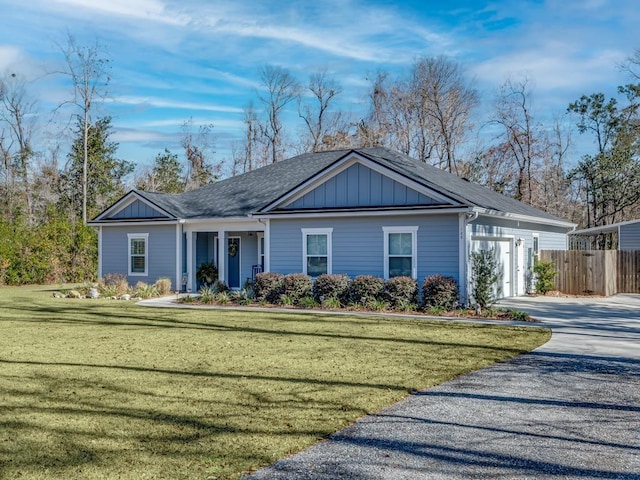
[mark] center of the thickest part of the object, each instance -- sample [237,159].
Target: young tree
[166,175]
[88,68]
[612,174]
[280,89]
[105,183]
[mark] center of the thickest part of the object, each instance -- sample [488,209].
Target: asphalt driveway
[570,409]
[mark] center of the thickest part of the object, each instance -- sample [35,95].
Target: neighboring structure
[617,236]
[364,211]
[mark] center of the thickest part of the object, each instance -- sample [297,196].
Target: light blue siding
[358,243]
[629,237]
[138,209]
[550,238]
[161,250]
[359,186]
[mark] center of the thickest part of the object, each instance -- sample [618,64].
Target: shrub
[364,288]
[144,290]
[296,286]
[207,295]
[307,302]
[401,291]
[334,286]
[440,291]
[118,281]
[207,273]
[285,300]
[221,298]
[268,286]
[331,303]
[163,285]
[484,277]
[376,305]
[545,274]
[220,287]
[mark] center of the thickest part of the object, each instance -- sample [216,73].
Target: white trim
[462,256]
[178,258]
[236,225]
[127,200]
[389,212]
[604,228]
[511,240]
[190,262]
[267,245]
[317,231]
[133,222]
[138,236]
[342,164]
[523,218]
[99,252]
[222,255]
[260,237]
[413,230]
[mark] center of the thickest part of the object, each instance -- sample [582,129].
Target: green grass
[107,389]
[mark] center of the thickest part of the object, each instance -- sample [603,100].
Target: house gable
[137,209]
[356,182]
[133,207]
[360,186]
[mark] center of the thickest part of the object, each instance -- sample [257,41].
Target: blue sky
[175,60]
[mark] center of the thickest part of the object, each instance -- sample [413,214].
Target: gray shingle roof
[252,191]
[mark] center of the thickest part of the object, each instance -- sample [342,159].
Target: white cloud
[137,9]
[157,102]
[10,55]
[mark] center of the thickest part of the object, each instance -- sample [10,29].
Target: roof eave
[525,218]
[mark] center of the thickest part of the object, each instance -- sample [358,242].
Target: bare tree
[445,102]
[520,142]
[88,68]
[317,118]
[280,90]
[17,124]
[199,151]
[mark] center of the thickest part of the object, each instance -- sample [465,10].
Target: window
[316,251]
[536,247]
[138,253]
[400,252]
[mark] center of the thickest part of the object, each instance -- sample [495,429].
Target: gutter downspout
[465,282]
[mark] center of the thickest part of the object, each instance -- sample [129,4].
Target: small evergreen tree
[545,273]
[484,277]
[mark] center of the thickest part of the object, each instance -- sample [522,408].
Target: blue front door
[233,261]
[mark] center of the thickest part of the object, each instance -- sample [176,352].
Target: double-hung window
[400,252]
[138,253]
[316,251]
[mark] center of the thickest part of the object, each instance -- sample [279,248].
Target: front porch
[238,251]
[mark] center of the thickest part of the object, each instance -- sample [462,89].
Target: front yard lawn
[106,389]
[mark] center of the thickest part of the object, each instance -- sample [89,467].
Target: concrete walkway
[570,409]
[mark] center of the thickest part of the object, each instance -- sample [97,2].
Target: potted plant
[207,274]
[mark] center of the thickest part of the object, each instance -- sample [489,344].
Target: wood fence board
[596,272]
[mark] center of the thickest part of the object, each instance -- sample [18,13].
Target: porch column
[191,262]
[267,246]
[222,255]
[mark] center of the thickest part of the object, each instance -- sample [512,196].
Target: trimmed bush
[297,286]
[268,287]
[484,277]
[545,273]
[365,288]
[335,286]
[440,292]
[220,287]
[401,291]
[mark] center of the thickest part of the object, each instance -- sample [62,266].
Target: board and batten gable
[358,243]
[137,210]
[629,236]
[161,251]
[357,187]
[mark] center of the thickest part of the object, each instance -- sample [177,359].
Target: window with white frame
[138,253]
[400,252]
[536,247]
[316,251]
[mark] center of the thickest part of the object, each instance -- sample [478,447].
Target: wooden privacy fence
[595,272]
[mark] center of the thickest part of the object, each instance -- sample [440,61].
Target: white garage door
[502,248]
